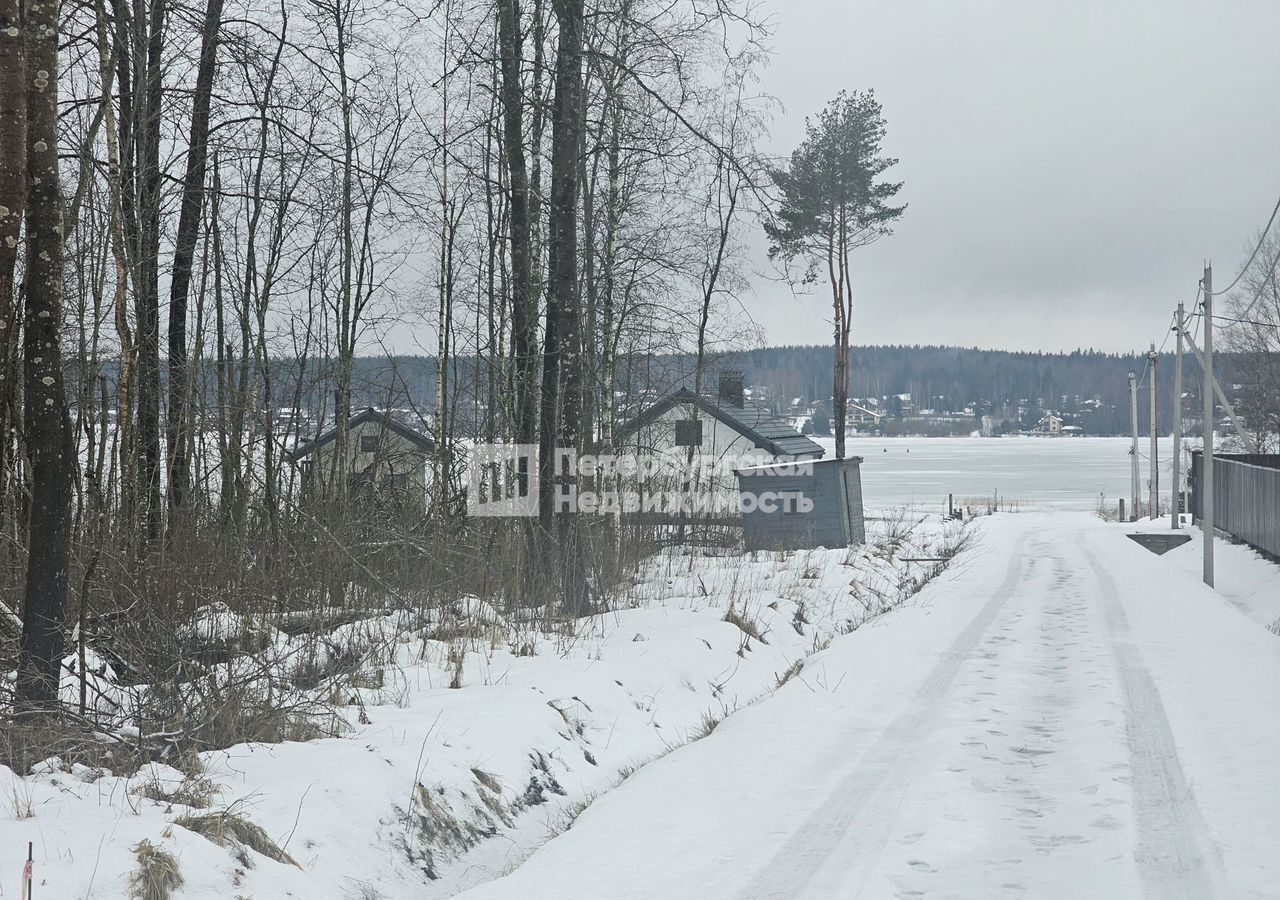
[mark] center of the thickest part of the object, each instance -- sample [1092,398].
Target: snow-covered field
[1059,713]
[437,788]
[1054,473]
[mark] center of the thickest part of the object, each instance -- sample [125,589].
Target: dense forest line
[939,378]
[949,379]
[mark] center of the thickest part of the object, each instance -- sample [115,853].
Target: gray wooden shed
[811,503]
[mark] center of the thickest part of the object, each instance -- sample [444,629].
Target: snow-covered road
[1063,715]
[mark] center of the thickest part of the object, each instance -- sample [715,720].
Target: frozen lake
[1057,473]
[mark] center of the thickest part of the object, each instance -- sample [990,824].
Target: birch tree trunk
[48,426]
[13,176]
[145,121]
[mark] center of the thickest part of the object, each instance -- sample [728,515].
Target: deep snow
[1059,714]
[435,789]
[1067,715]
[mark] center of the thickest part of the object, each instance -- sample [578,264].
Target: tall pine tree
[834,201]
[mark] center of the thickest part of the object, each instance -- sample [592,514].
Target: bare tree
[178,437]
[46,420]
[524,310]
[1255,338]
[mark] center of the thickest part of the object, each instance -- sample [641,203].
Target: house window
[368,443]
[689,433]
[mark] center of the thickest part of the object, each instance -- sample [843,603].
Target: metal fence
[1246,496]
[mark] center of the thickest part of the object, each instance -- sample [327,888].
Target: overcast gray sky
[1068,164]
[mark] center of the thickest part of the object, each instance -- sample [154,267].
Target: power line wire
[1271,275]
[1254,254]
[1145,370]
[1173,321]
[1232,320]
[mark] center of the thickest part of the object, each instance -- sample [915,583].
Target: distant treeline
[952,378]
[944,379]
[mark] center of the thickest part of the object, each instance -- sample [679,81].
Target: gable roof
[419,440]
[752,421]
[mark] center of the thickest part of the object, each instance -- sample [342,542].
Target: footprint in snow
[1107,822]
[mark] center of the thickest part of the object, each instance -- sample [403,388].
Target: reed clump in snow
[157,875]
[227,828]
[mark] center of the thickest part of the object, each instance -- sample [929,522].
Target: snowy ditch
[461,752]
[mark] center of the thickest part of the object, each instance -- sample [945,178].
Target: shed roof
[751,420]
[792,468]
[369,414]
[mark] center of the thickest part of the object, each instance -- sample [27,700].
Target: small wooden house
[384,461]
[694,442]
[793,506]
[726,424]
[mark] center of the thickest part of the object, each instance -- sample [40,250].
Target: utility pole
[1153,482]
[1206,479]
[1133,450]
[1223,400]
[1174,504]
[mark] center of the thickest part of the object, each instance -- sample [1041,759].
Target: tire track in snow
[1006,800]
[884,767]
[1175,855]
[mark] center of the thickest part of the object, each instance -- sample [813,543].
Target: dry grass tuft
[705,726]
[790,672]
[1106,512]
[228,829]
[157,875]
[745,623]
[488,779]
[569,815]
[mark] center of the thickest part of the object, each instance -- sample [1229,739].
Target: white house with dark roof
[384,461]
[720,432]
[726,424]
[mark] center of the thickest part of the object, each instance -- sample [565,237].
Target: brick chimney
[731,392]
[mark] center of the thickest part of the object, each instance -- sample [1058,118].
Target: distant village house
[1050,424]
[726,424]
[384,462]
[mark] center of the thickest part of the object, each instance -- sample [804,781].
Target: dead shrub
[237,703]
[193,792]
